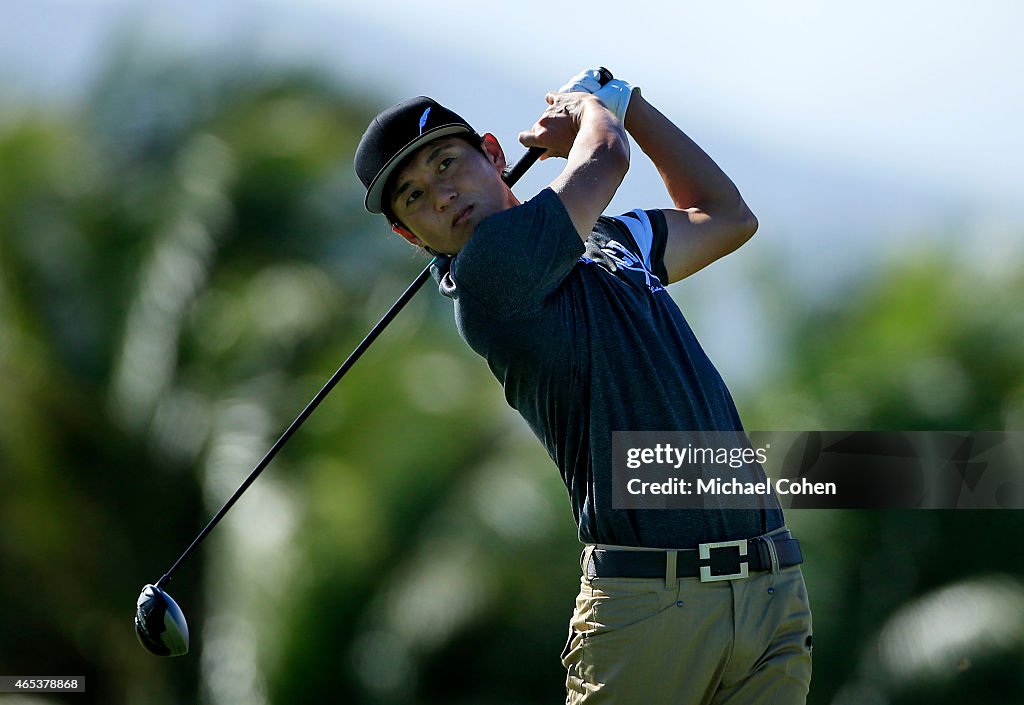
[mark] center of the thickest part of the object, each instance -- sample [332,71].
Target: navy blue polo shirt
[585,341]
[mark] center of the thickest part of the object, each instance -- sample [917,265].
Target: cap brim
[375,193]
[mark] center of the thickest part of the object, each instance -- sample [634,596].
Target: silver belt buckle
[705,554]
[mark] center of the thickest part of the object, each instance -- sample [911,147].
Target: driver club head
[159,623]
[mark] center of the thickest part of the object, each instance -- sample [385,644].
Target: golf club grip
[406,296]
[523,165]
[533,153]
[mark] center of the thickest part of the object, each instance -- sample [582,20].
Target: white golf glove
[615,94]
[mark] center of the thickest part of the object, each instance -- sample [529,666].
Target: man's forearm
[596,163]
[690,175]
[598,135]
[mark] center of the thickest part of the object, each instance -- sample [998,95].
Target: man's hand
[586,81]
[558,125]
[615,94]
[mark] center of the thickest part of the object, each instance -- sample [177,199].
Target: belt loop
[671,579]
[772,553]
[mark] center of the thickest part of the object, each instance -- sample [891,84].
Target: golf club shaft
[310,408]
[510,178]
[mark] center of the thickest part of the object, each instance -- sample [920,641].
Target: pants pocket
[619,604]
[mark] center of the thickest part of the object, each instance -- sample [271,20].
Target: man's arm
[710,218]
[580,128]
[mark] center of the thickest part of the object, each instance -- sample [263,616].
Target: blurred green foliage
[184,259]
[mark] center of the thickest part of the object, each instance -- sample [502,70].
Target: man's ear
[493,151]
[407,234]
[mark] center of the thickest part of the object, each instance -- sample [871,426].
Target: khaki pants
[637,641]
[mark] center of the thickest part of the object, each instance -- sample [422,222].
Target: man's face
[446,189]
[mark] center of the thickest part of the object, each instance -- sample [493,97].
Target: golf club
[159,623]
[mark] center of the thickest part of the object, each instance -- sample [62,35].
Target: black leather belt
[723,560]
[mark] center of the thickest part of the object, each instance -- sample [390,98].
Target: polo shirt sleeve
[649,232]
[518,257]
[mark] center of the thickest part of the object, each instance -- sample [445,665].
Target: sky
[931,89]
[852,130]
[926,90]
[907,108]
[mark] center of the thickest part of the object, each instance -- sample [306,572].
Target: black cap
[395,134]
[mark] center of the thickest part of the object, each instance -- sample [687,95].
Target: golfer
[568,307]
